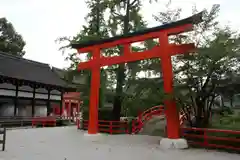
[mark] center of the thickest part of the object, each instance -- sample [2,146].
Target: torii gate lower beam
[164,51]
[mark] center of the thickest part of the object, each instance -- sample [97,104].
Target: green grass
[228,122]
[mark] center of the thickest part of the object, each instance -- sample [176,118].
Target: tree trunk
[121,73]
[200,104]
[231,101]
[117,104]
[202,116]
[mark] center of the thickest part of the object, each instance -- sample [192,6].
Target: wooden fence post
[110,128]
[205,138]
[133,125]
[3,141]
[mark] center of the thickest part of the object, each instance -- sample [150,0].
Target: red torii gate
[163,51]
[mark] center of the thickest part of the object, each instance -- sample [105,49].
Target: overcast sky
[40,22]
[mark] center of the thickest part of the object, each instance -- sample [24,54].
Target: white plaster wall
[41,111]
[55,97]
[55,92]
[22,111]
[7,86]
[25,94]
[41,96]
[7,92]
[7,110]
[25,88]
[28,111]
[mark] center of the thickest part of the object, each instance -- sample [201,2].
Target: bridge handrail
[148,114]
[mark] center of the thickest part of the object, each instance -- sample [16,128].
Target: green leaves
[199,75]
[10,41]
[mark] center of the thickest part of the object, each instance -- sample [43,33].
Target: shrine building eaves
[195,19]
[18,68]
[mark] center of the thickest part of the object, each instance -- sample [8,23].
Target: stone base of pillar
[167,143]
[93,137]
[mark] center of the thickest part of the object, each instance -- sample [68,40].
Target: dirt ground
[68,143]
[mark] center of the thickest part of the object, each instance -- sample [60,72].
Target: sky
[41,22]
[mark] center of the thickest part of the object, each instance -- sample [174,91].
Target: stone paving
[68,143]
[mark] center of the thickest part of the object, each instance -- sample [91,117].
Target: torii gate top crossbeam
[173,28]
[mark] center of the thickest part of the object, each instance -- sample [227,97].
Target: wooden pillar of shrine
[94,95]
[171,111]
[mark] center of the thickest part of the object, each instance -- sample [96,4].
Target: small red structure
[71,105]
[164,51]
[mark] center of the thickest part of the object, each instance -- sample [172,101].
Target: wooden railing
[15,121]
[20,121]
[44,121]
[208,138]
[111,127]
[138,123]
[213,138]
[24,121]
[3,140]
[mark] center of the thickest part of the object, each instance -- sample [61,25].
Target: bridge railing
[138,123]
[148,114]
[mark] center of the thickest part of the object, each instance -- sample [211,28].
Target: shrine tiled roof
[23,69]
[195,19]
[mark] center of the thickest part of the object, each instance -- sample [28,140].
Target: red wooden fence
[208,138]
[111,127]
[43,121]
[213,138]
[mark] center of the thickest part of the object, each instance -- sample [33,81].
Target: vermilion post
[69,106]
[171,111]
[94,94]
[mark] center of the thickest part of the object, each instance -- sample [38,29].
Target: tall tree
[199,74]
[93,30]
[124,18]
[10,41]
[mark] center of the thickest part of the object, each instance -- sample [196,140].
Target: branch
[133,3]
[209,106]
[189,116]
[210,91]
[117,14]
[206,82]
[194,105]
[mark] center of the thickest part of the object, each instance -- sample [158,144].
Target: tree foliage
[94,29]
[10,41]
[199,75]
[123,18]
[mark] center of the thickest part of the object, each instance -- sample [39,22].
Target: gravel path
[69,144]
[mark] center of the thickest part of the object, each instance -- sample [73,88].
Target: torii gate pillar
[171,112]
